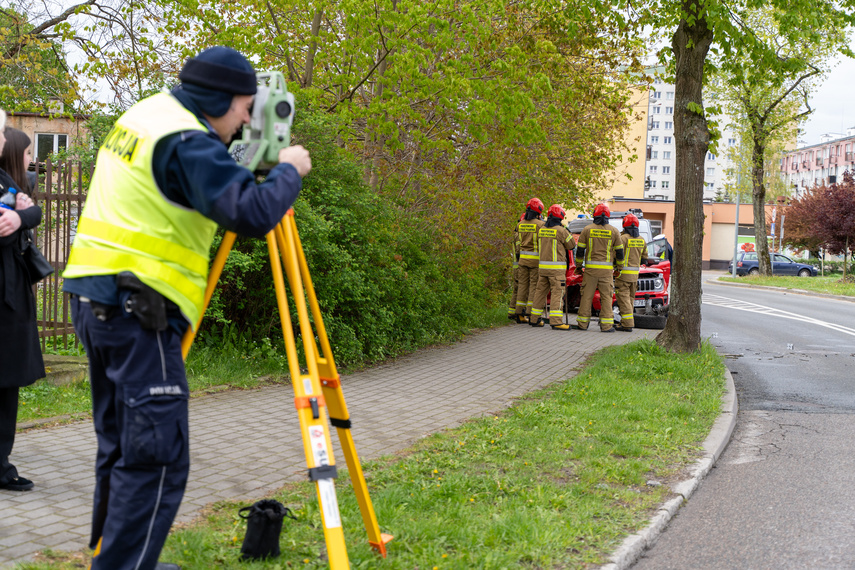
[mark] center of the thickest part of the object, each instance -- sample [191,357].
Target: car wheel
[754,271]
[649,321]
[804,273]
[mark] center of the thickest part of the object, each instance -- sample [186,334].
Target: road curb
[635,545]
[786,290]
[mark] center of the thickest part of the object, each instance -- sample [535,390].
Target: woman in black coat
[19,335]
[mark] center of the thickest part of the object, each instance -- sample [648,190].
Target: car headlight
[658,284]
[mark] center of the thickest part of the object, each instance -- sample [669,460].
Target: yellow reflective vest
[128,224]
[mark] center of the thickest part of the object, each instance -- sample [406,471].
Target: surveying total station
[269,129]
[317,392]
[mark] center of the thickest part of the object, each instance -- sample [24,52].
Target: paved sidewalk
[245,444]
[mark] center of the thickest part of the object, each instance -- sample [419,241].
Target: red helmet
[602,210]
[630,220]
[556,211]
[536,205]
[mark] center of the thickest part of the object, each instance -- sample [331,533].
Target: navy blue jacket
[195,170]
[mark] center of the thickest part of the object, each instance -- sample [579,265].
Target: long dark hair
[12,158]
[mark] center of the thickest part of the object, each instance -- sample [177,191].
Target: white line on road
[740,305]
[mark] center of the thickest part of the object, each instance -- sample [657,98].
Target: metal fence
[60,191]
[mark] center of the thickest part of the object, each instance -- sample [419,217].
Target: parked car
[748,264]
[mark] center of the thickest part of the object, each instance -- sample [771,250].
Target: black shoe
[167,566]
[577,328]
[17,484]
[624,329]
[536,323]
[609,330]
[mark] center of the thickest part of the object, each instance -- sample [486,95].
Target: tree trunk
[690,43]
[759,199]
[313,47]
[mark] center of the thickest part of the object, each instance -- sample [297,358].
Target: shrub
[384,286]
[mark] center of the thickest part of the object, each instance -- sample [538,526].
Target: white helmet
[660,236]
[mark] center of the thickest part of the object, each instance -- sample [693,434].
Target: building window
[665,183]
[47,144]
[654,154]
[669,110]
[666,154]
[654,124]
[710,171]
[657,110]
[709,185]
[654,140]
[669,125]
[667,140]
[657,94]
[666,170]
[669,95]
[653,184]
[653,169]
[731,142]
[710,156]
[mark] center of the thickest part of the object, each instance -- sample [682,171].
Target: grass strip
[555,481]
[829,284]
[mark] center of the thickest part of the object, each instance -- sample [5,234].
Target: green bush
[384,286]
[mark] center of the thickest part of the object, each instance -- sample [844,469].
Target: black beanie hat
[221,69]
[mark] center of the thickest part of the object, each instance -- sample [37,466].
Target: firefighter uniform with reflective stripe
[528,263]
[626,283]
[599,247]
[515,257]
[555,245]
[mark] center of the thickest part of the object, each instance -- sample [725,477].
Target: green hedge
[384,286]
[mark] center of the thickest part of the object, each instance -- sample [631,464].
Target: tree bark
[759,199]
[690,43]
[313,47]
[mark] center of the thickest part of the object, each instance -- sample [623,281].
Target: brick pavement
[245,444]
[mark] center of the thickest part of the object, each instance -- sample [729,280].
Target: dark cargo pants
[139,407]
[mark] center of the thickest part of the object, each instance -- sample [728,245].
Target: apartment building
[661,155]
[819,164]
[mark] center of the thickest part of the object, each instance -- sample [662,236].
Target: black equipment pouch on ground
[37,265]
[147,305]
[263,527]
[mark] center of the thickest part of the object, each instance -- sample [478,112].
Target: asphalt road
[782,495]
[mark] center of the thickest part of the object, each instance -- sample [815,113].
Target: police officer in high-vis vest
[529,258]
[626,275]
[599,248]
[137,272]
[555,245]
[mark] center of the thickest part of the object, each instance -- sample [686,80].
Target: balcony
[819,162]
[848,156]
[806,163]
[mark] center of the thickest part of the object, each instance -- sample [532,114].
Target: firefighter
[626,276]
[598,248]
[555,245]
[515,259]
[529,258]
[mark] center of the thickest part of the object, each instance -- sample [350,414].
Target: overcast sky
[833,104]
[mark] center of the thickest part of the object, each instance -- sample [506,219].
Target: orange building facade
[719,225]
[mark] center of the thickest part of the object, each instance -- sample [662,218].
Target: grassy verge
[830,284]
[212,365]
[555,481]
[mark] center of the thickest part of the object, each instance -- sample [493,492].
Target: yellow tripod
[314,392]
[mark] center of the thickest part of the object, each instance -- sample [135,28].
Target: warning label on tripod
[318,441]
[329,503]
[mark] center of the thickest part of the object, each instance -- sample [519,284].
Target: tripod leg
[308,400]
[331,383]
[213,276]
